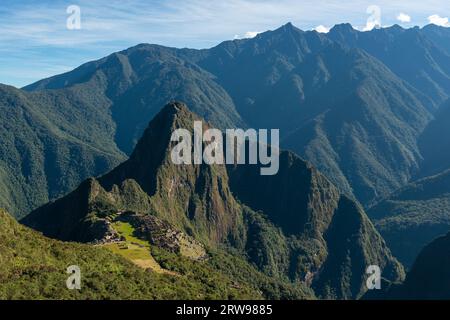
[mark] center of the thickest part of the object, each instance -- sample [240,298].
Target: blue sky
[36,43]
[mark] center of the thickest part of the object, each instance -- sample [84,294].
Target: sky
[41,38]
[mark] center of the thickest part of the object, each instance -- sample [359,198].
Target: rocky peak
[286,223]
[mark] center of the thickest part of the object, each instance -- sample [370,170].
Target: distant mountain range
[353,103]
[368,111]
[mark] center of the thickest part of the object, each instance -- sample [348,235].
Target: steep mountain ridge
[317,222]
[137,81]
[365,135]
[150,173]
[229,208]
[409,53]
[102,105]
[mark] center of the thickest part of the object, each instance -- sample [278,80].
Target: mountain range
[337,101]
[367,111]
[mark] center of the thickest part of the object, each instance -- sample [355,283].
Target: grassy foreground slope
[34,267]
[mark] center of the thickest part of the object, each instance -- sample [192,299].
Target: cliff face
[294,225]
[331,241]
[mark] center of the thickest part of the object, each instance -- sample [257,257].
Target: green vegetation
[234,267]
[126,230]
[133,248]
[34,267]
[47,149]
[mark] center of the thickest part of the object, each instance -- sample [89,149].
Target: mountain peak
[435,27]
[396,26]
[174,107]
[343,27]
[202,202]
[288,27]
[153,147]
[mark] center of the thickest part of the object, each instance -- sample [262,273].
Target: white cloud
[403,17]
[251,34]
[438,20]
[113,25]
[322,29]
[374,19]
[247,35]
[371,25]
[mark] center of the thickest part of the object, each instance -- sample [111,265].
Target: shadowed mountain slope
[339,108]
[138,81]
[413,216]
[434,143]
[428,279]
[87,120]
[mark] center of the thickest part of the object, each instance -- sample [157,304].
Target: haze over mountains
[368,111]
